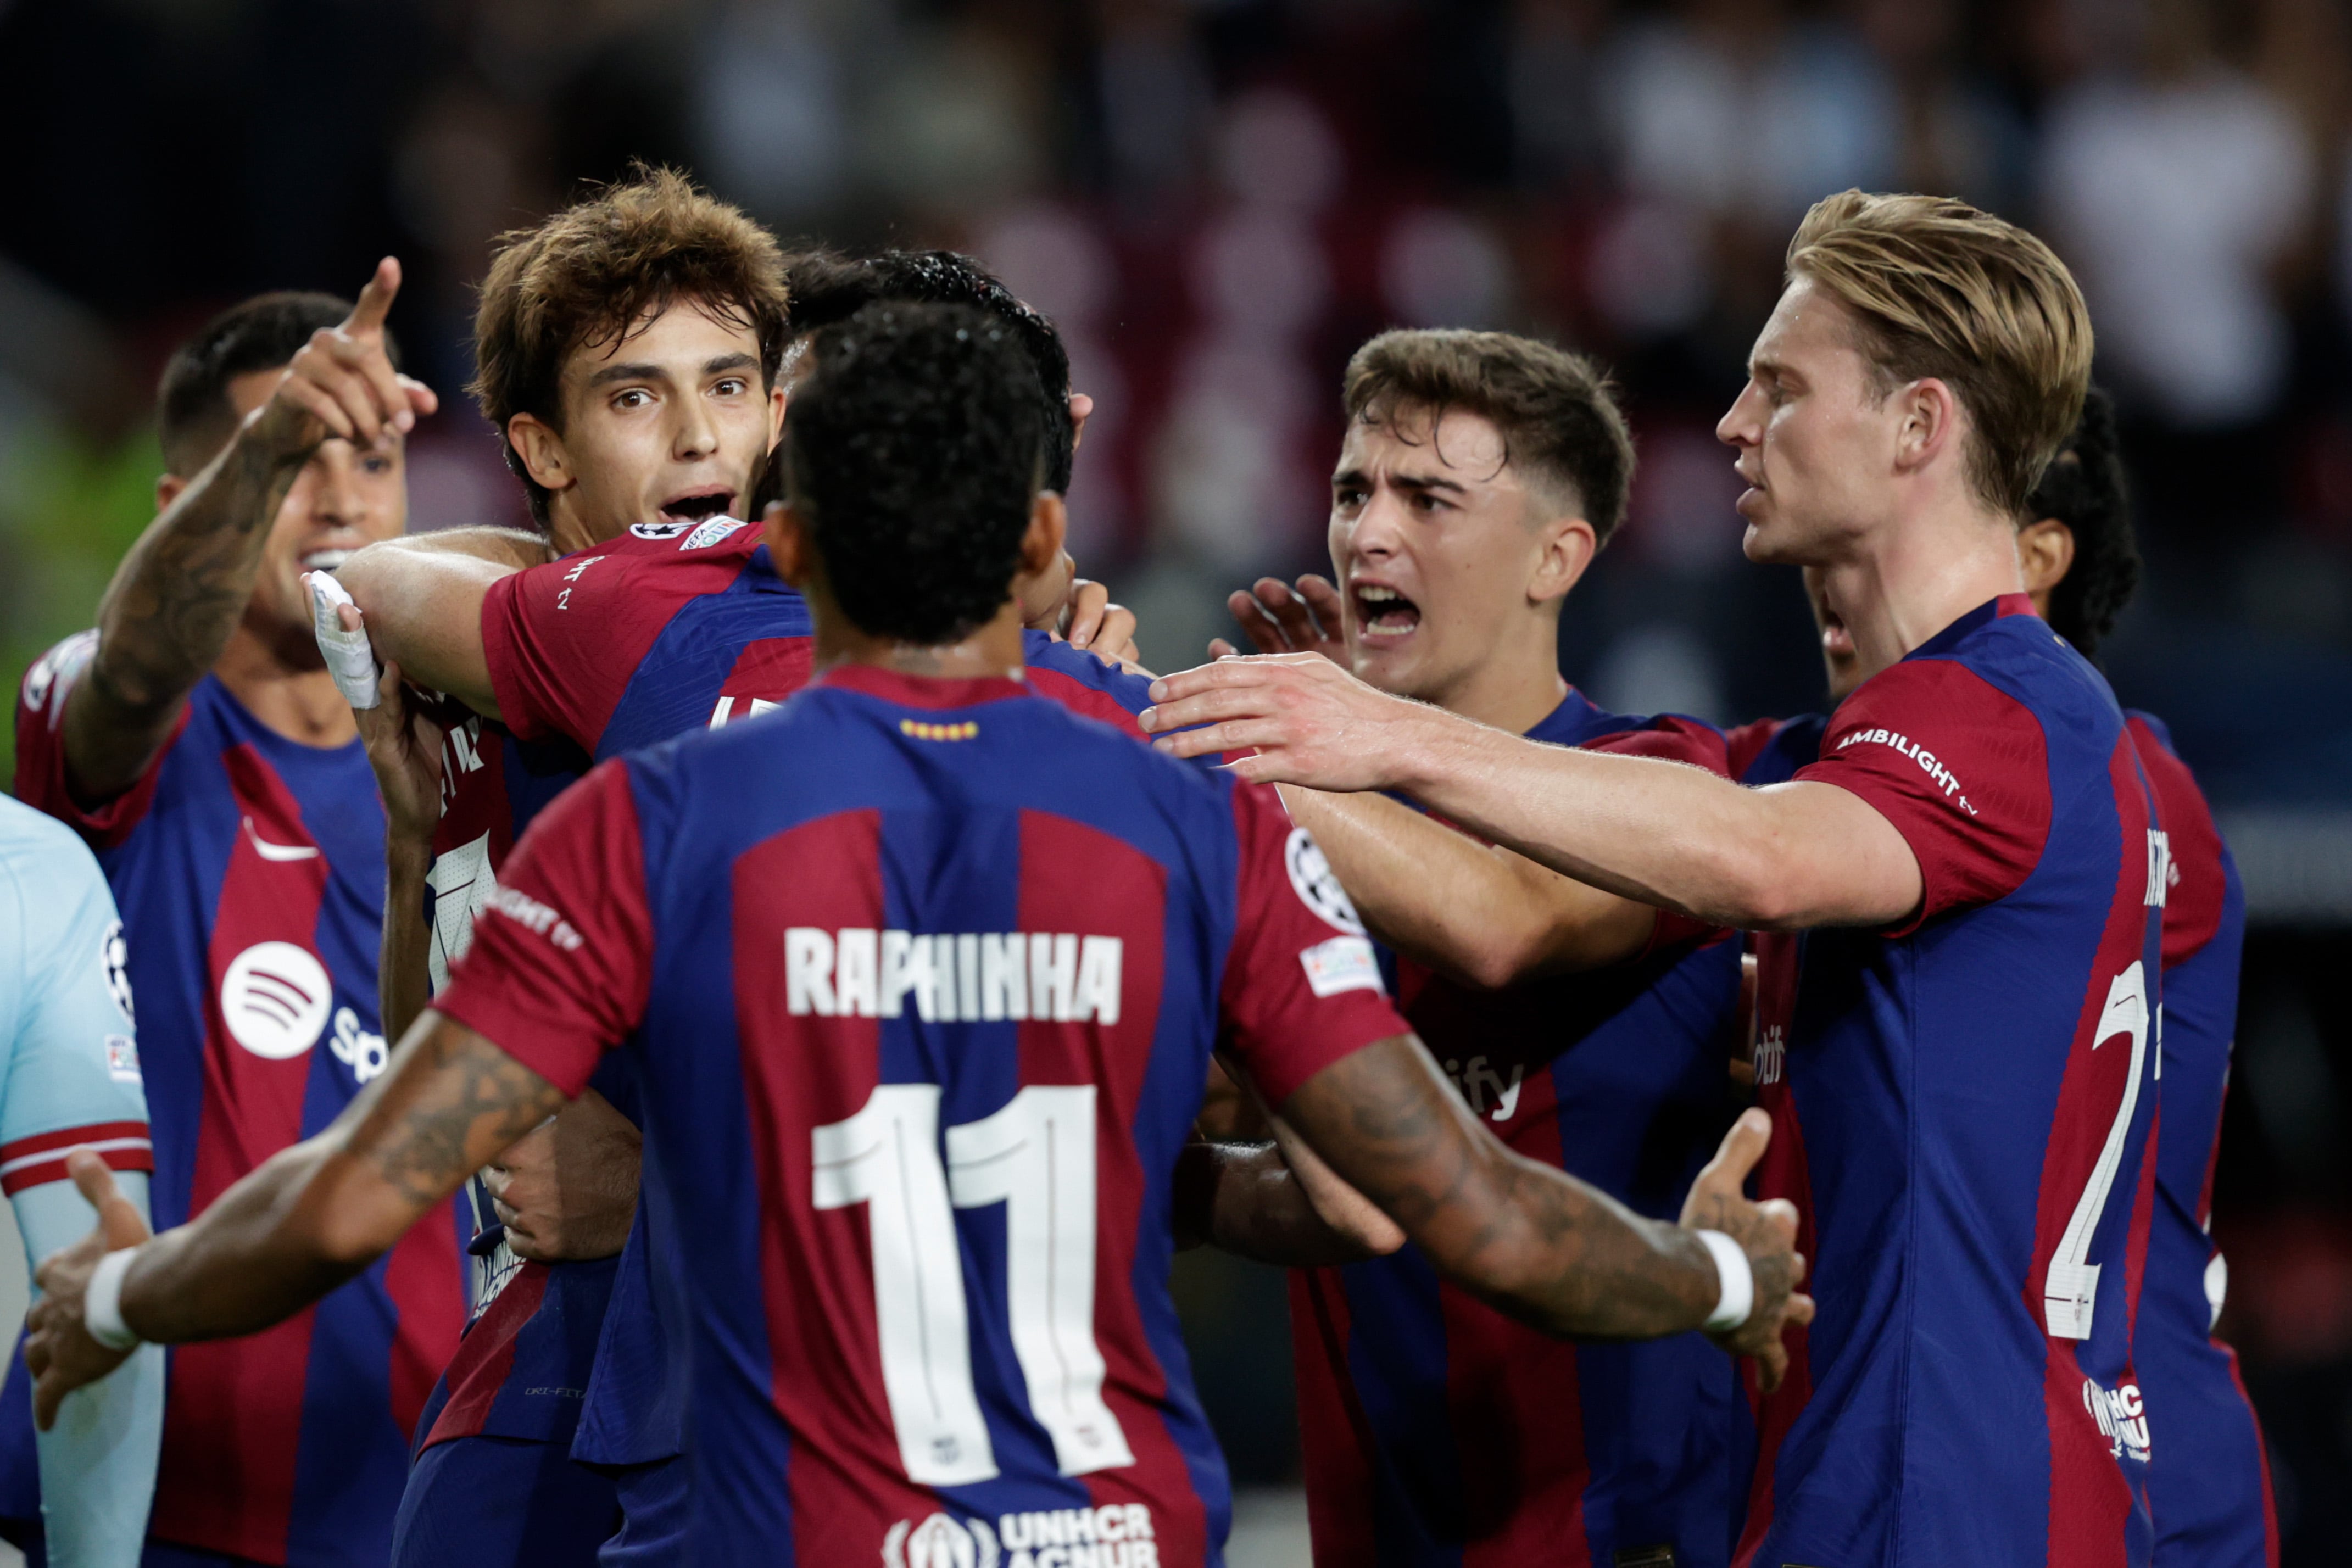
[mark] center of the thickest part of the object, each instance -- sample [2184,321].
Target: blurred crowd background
[1216,200]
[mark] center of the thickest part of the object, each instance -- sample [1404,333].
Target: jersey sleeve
[564,639]
[72,1073]
[1959,768]
[561,960]
[2196,862]
[40,779]
[1696,745]
[1302,988]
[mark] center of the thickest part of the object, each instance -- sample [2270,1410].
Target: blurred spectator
[2174,187]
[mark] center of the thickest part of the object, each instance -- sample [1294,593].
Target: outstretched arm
[1481,915]
[183,588]
[422,598]
[1788,857]
[310,1219]
[1532,1240]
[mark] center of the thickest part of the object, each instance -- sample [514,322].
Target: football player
[1962,881]
[196,740]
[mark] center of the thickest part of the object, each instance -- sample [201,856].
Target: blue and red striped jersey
[1961,1104]
[250,873]
[933,999]
[2209,1479]
[1436,1430]
[659,632]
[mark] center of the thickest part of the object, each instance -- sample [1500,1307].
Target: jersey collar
[1984,614]
[921,691]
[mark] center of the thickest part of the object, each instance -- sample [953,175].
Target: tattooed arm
[1529,1239]
[182,590]
[311,1217]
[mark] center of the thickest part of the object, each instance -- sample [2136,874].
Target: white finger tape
[1738,1292]
[350,658]
[102,1303]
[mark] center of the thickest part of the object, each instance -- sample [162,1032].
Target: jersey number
[2072,1287]
[1035,1156]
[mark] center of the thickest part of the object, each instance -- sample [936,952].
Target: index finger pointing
[376,299]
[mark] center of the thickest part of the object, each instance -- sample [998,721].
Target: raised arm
[1529,1239]
[422,597]
[1788,857]
[183,588]
[310,1219]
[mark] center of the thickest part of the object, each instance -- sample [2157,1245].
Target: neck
[1517,685]
[291,695]
[992,651]
[1910,582]
[568,532]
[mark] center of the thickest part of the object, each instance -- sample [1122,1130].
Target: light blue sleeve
[72,1078]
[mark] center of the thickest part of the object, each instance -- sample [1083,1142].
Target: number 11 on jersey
[1037,1156]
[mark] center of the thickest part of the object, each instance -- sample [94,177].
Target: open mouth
[698,505]
[324,559]
[1383,612]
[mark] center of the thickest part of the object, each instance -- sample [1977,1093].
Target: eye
[633,397]
[1348,497]
[733,386]
[376,462]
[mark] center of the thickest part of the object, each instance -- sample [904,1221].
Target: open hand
[1309,721]
[341,383]
[1280,619]
[1767,1232]
[58,1349]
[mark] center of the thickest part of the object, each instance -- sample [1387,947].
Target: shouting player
[1960,1083]
[923,975]
[1480,475]
[197,742]
[2209,1479]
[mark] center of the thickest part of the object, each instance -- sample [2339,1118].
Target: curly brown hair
[590,273]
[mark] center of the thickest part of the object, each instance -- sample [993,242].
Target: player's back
[1961,1104]
[928,971]
[2208,1481]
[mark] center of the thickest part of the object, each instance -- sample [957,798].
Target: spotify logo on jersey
[275,999]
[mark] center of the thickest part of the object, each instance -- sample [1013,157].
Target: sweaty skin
[1527,1237]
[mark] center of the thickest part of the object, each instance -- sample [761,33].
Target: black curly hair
[826,289]
[913,449]
[192,414]
[2083,488]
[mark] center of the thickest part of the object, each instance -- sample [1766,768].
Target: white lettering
[534,916]
[1098,976]
[808,971]
[1052,976]
[1004,975]
[854,974]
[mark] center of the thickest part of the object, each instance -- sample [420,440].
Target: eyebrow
[1402,481]
[649,373]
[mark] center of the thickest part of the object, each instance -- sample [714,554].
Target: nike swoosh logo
[270,852]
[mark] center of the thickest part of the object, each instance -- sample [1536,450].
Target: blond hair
[1946,291]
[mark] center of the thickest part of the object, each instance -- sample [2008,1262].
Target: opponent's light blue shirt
[69,1079]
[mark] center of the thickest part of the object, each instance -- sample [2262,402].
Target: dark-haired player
[636,435]
[1480,474]
[921,975]
[196,741]
[2209,1479]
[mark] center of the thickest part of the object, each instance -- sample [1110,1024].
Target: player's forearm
[404,963]
[1657,831]
[170,610]
[1480,914]
[1529,1240]
[422,607]
[317,1214]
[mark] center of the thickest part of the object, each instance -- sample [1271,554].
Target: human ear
[2045,552]
[790,549]
[1566,549]
[1931,416]
[1049,526]
[542,451]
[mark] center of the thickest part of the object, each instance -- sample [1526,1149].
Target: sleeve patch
[1342,963]
[1317,888]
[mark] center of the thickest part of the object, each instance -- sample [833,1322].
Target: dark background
[1217,199]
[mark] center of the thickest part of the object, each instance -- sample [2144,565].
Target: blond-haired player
[1958,983]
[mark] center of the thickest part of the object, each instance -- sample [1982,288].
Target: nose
[1379,530]
[697,436]
[337,499]
[1742,423]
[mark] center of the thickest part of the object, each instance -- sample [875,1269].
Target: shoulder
[1083,683]
[42,851]
[1580,722]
